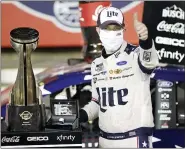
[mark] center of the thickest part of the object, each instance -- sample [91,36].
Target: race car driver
[121,84]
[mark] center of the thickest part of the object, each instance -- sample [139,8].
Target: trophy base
[26,118]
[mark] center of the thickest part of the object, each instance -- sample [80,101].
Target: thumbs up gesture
[141,29]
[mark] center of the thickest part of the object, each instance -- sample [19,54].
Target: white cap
[110,15]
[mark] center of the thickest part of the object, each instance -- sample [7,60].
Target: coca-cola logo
[177,28]
[6,139]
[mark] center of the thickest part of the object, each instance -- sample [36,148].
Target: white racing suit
[121,97]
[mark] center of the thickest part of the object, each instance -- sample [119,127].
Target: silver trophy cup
[25,111]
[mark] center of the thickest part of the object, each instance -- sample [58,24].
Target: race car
[73,80]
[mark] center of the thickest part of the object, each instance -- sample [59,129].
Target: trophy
[25,111]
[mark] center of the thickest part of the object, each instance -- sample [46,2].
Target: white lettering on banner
[177,28]
[173,12]
[62,137]
[164,117]
[40,138]
[164,89]
[170,41]
[172,55]
[10,139]
[165,111]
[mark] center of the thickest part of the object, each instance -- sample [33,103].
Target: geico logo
[41,138]
[169,41]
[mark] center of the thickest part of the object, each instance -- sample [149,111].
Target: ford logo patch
[165,84]
[121,63]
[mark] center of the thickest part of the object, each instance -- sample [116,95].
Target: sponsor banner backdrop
[166,23]
[165,105]
[48,137]
[57,21]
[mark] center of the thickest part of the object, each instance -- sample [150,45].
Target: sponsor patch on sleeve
[146,56]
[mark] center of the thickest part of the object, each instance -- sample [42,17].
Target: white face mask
[111,40]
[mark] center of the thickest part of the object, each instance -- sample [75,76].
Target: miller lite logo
[111,14]
[109,96]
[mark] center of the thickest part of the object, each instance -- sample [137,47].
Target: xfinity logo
[39,138]
[63,138]
[172,55]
